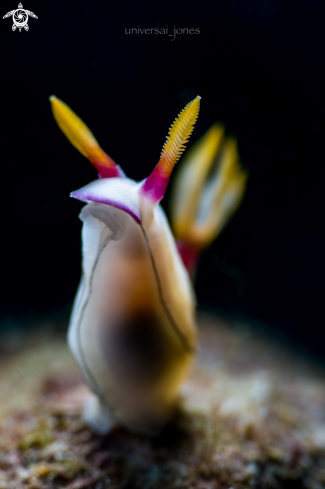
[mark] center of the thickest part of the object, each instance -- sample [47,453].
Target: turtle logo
[20,18]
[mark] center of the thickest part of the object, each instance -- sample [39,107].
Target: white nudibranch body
[132,329]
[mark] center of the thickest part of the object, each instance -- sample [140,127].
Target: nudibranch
[132,329]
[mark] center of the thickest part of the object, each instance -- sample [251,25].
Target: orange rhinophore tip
[181,129]
[83,139]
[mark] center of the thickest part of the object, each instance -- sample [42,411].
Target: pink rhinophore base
[155,185]
[114,172]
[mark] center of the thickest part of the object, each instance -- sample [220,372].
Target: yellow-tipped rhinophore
[178,135]
[155,185]
[80,135]
[208,189]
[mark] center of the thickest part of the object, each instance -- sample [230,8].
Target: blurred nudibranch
[132,329]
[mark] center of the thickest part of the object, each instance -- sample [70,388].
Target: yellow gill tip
[209,188]
[221,197]
[191,178]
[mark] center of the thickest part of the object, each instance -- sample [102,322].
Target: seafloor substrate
[251,415]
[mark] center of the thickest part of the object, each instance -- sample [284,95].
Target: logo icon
[20,18]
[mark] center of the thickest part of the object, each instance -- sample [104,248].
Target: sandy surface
[251,415]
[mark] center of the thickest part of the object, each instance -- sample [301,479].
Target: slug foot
[98,416]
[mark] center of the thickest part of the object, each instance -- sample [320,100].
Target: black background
[259,67]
